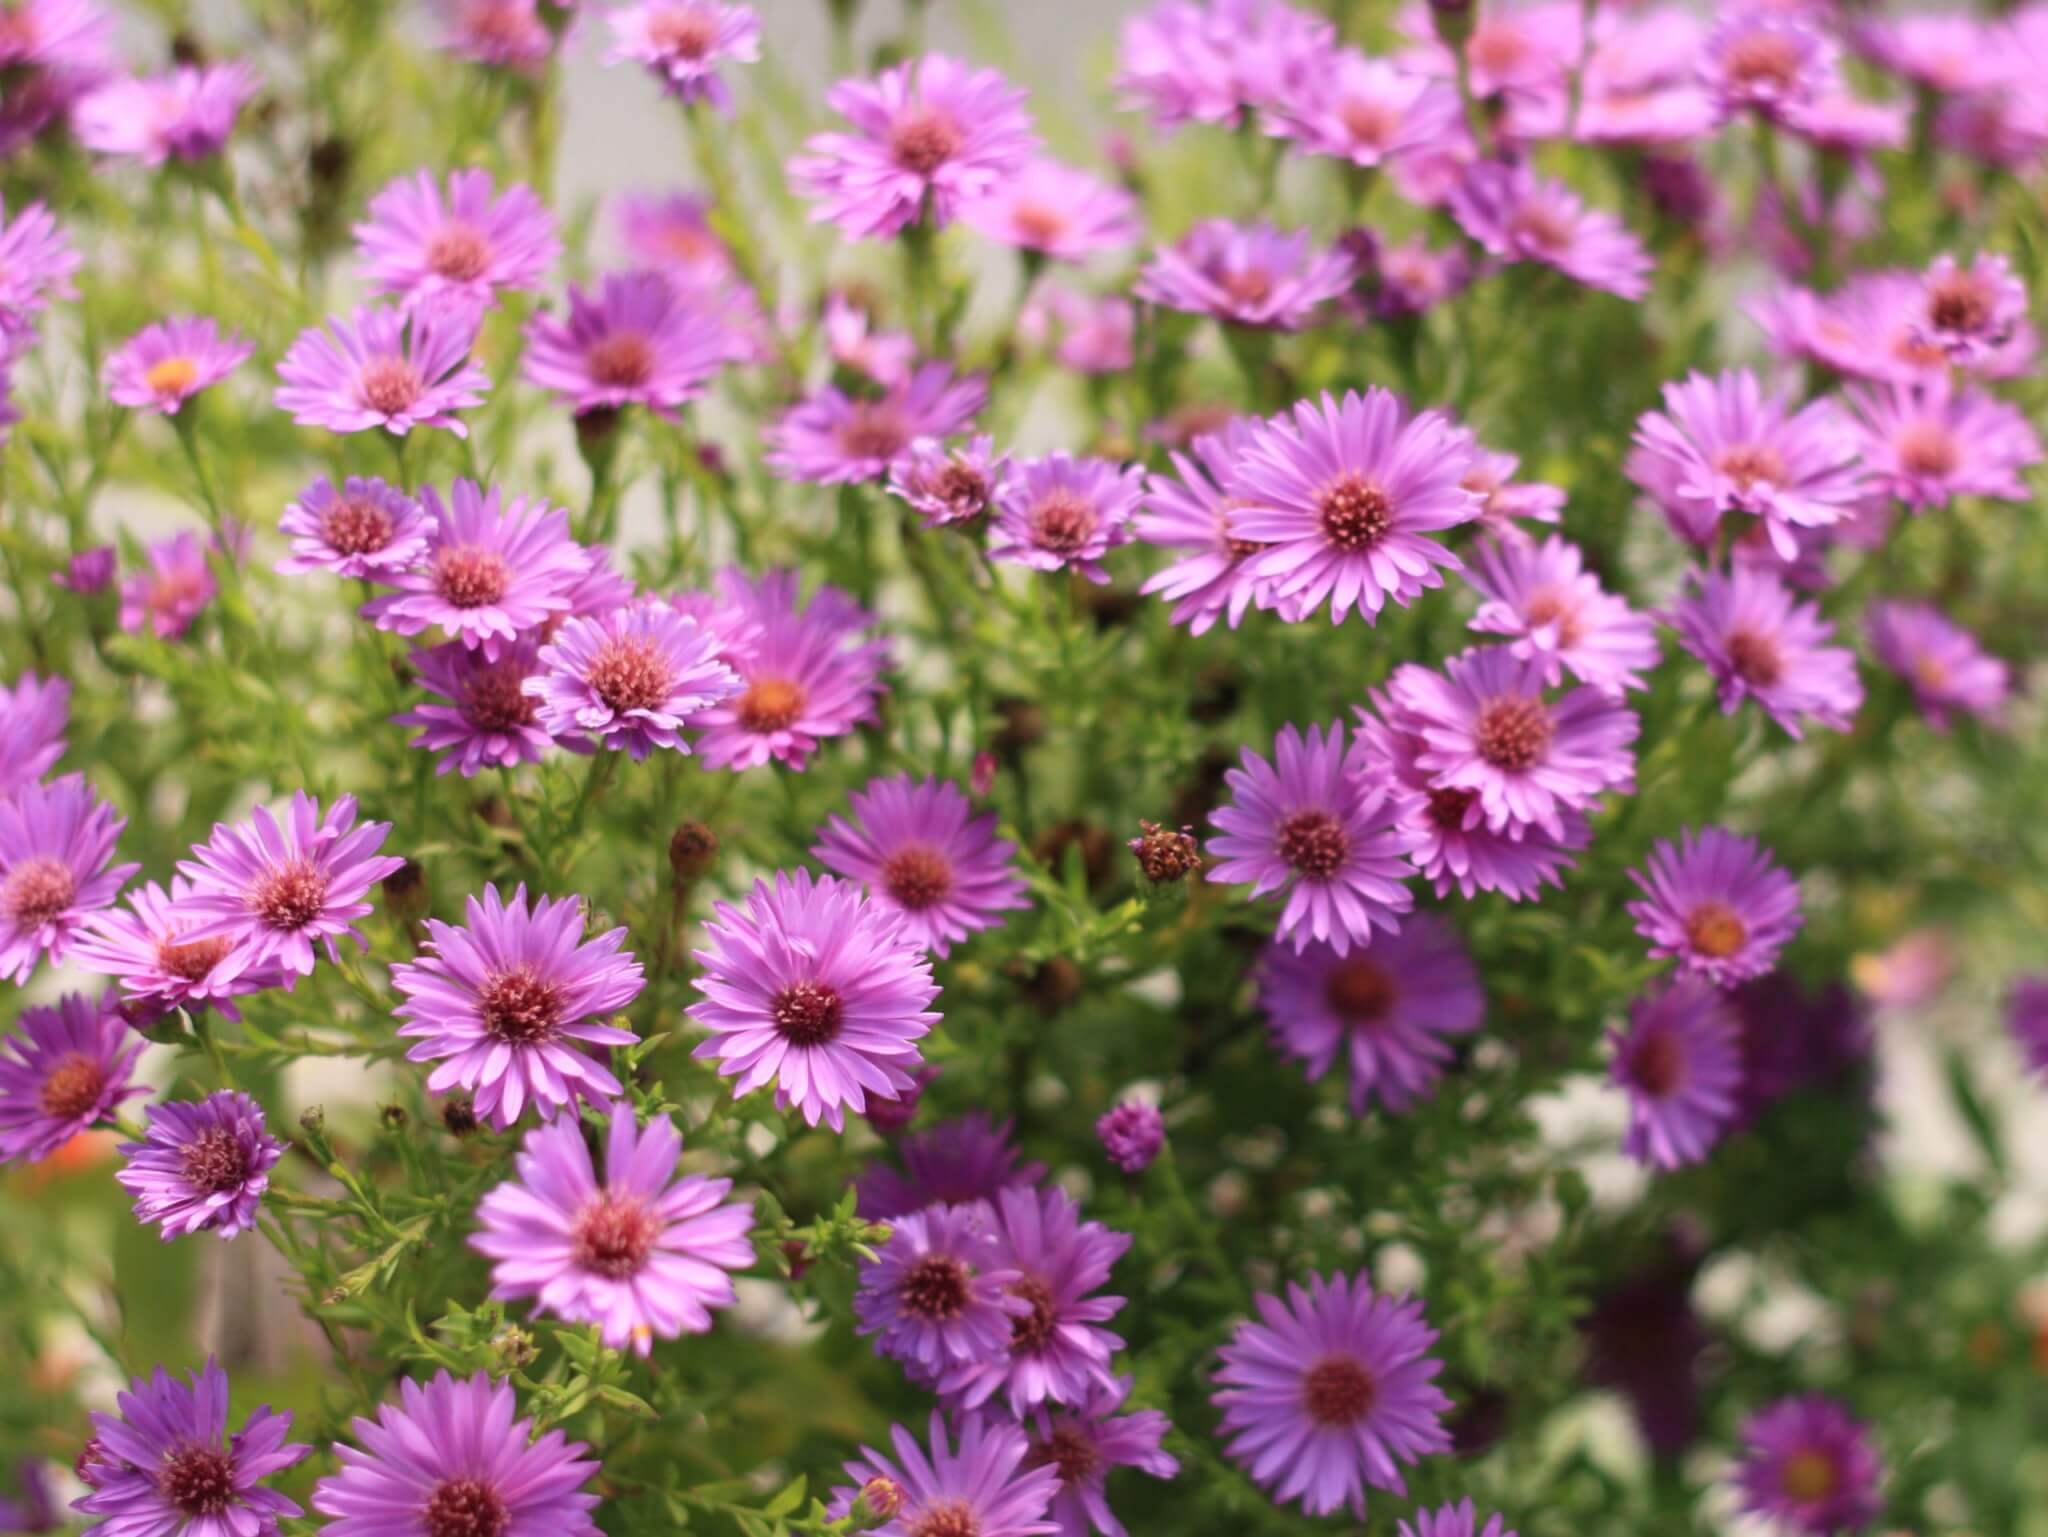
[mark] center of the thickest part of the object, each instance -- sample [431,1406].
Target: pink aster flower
[1680,1063]
[954,1163]
[632,679]
[1641,86]
[1211,61]
[1718,902]
[818,990]
[1504,502]
[1131,1134]
[486,718]
[671,232]
[1928,444]
[1948,51]
[384,367]
[1056,211]
[930,136]
[1460,1520]
[169,595]
[1810,1467]
[1948,671]
[1414,277]
[87,573]
[37,261]
[56,850]
[938,1294]
[366,529]
[203,1166]
[641,1253]
[638,339]
[1768,63]
[166,364]
[833,438]
[1061,513]
[683,43]
[1088,1442]
[1971,312]
[1329,1392]
[1521,217]
[52,52]
[982,1488]
[504,34]
[146,949]
[856,341]
[65,1069]
[1089,333]
[1194,512]
[1251,275]
[951,485]
[33,717]
[1313,826]
[1366,110]
[1557,613]
[461,240]
[512,999]
[1761,644]
[1876,326]
[276,888]
[186,114]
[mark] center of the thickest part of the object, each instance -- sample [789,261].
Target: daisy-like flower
[671,232]
[1089,333]
[1211,63]
[1928,444]
[65,1069]
[1809,1466]
[146,950]
[276,889]
[1366,111]
[365,529]
[1460,1520]
[1718,902]
[1760,643]
[1557,613]
[1414,277]
[2026,1018]
[511,999]
[203,1167]
[88,572]
[818,990]
[855,339]
[1680,1063]
[637,339]
[488,719]
[186,114]
[938,1295]
[1948,671]
[1194,510]
[1060,513]
[1132,1134]
[37,261]
[168,1466]
[1251,275]
[641,1253]
[56,847]
[632,679]
[33,717]
[385,367]
[427,240]
[951,1164]
[1971,312]
[1329,1392]
[1088,1442]
[1521,217]
[683,43]
[494,569]
[982,1489]
[833,438]
[1393,1011]
[1948,51]
[165,365]
[177,585]
[1504,502]
[1770,64]
[1056,211]
[505,34]
[954,485]
[449,1460]
[1875,327]
[930,136]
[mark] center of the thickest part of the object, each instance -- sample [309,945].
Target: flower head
[1414,277]
[951,1164]
[185,115]
[683,42]
[1718,902]
[384,367]
[1057,211]
[37,261]
[1943,664]
[1194,510]
[939,1295]
[1557,613]
[980,1489]
[505,34]
[632,679]
[33,716]
[1521,217]
[833,438]
[165,365]
[1680,1063]
[56,847]
[671,232]
[1928,444]
[1089,1441]
[1366,110]
[954,485]
[1971,313]
[1809,1465]
[1504,502]
[67,1068]
[165,598]
[2026,1017]
[203,1166]
[1252,275]
[1877,326]
[88,572]
[637,339]
[146,949]
[1761,644]
[1132,1133]
[1212,63]
[1769,64]
[481,715]
[1062,513]
[435,241]
[364,529]
[1460,1520]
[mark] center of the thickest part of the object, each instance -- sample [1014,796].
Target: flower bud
[405,892]
[692,852]
[459,1116]
[1164,855]
[879,1500]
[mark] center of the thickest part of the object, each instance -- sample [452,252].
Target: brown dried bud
[1164,855]
[394,1117]
[1056,985]
[692,852]
[459,1116]
[1023,724]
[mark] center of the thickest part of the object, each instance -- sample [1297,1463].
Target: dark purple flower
[1718,902]
[365,529]
[172,592]
[1557,613]
[186,114]
[88,572]
[939,1294]
[1250,275]
[1809,1466]
[33,718]
[1088,1442]
[682,43]
[1521,217]
[2026,1016]
[1061,513]
[204,1165]
[632,679]
[950,1164]
[982,1489]
[66,1069]
[56,851]
[832,438]
[426,240]
[1943,664]
[1132,1134]
[1794,1040]
[635,339]
[488,720]
[1760,644]
[1680,1063]
[1644,1340]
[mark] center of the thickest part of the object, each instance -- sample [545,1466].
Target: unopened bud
[692,852]
[879,1501]
[514,1347]
[394,1117]
[459,1116]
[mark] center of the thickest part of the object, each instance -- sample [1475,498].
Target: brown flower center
[875,430]
[389,385]
[465,1507]
[1370,123]
[1514,733]
[1338,1391]
[1035,1329]
[1811,1475]
[924,140]
[1539,227]
[1715,931]
[1928,448]
[917,876]
[354,526]
[191,962]
[1070,1449]
[458,253]
[493,698]
[1359,992]
[1315,843]
[770,704]
[1062,522]
[72,1088]
[470,576]
[172,376]
[1751,464]
[1448,808]
[946,1518]
[1755,658]
[1658,1064]
[1551,607]
[807,1013]
[37,891]
[623,360]
[1959,303]
[631,674]
[289,896]
[1246,287]
[961,488]
[936,1287]
[1038,225]
[686,31]
[615,1235]
[215,1161]
[197,1481]
[1355,514]
[1762,61]
[519,1007]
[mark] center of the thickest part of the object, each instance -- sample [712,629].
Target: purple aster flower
[433,241]
[1251,275]
[165,365]
[955,485]
[90,571]
[1521,217]
[186,114]
[1392,1011]
[1717,902]
[1680,1063]
[1316,828]
[366,529]
[856,341]
[950,1164]
[1793,1040]
[1329,1392]
[1061,513]
[637,339]
[203,1166]
[833,438]
[1366,110]
[1558,614]
[982,1489]
[1947,51]
[35,1508]
[169,1467]
[642,1254]
[1772,64]
[1971,312]
[384,367]
[671,232]
[146,950]
[33,717]
[1195,510]
[1505,502]
[495,569]
[1875,327]
[683,42]
[504,34]
[632,679]
[488,720]
[938,1295]
[1809,1465]
[1056,211]
[1086,1444]
[930,136]
[2026,1017]
[1132,1134]
[56,843]
[1183,62]
[65,1069]
[817,989]
[1928,444]
[276,889]
[449,1460]
[1941,662]
[1761,644]
[1415,277]
[1089,333]
[1460,1520]
[171,593]
[37,261]
[512,998]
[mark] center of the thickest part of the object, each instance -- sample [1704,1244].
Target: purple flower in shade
[1504,502]
[384,367]
[488,719]
[833,438]
[203,1166]
[56,843]
[1061,513]
[166,364]
[1680,1063]
[186,114]
[1718,903]
[1557,613]
[35,1508]
[1194,510]
[1761,644]
[1329,1392]
[632,679]
[1366,111]
[1056,211]
[495,569]
[1088,1442]
[37,261]
[939,1295]
[433,241]
[512,1000]
[683,42]
[641,1254]
[889,1116]
[449,1460]
[1312,825]
[1413,278]
[955,485]
[65,1069]
[1793,1040]
[168,1466]
[146,950]
[276,889]
[1131,1135]
[1641,86]
[1768,63]
[169,595]
[2026,1016]
[505,34]
[981,1490]
[1808,1465]
[33,717]
[1251,275]
[1929,444]
[1392,1011]
[90,571]
[1971,312]
[1723,445]
[637,339]
[366,529]
[1209,63]
[950,1164]
[1941,662]
[1521,217]
[810,676]
[817,989]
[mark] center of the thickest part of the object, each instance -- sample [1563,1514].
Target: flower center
[631,674]
[1514,733]
[1658,1064]
[924,140]
[962,488]
[1038,225]
[389,385]
[37,891]
[172,376]
[1062,522]
[1354,512]
[615,1236]
[1928,448]
[458,253]
[1359,992]
[1035,1329]
[1810,1475]
[935,1287]
[289,896]
[917,876]
[946,1518]
[353,526]
[770,704]
[1070,1449]
[215,1161]
[72,1088]
[1959,303]
[1246,286]
[493,700]
[684,31]
[1496,48]
[464,1507]
[1550,607]
[807,1013]
[622,361]
[470,576]
[1930,674]
[1715,931]
[197,1481]
[876,430]
[1315,843]
[1338,1391]
[1370,123]
[1541,228]
[1762,62]
[192,962]
[1755,658]
[1751,464]
[518,1007]
[1448,808]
